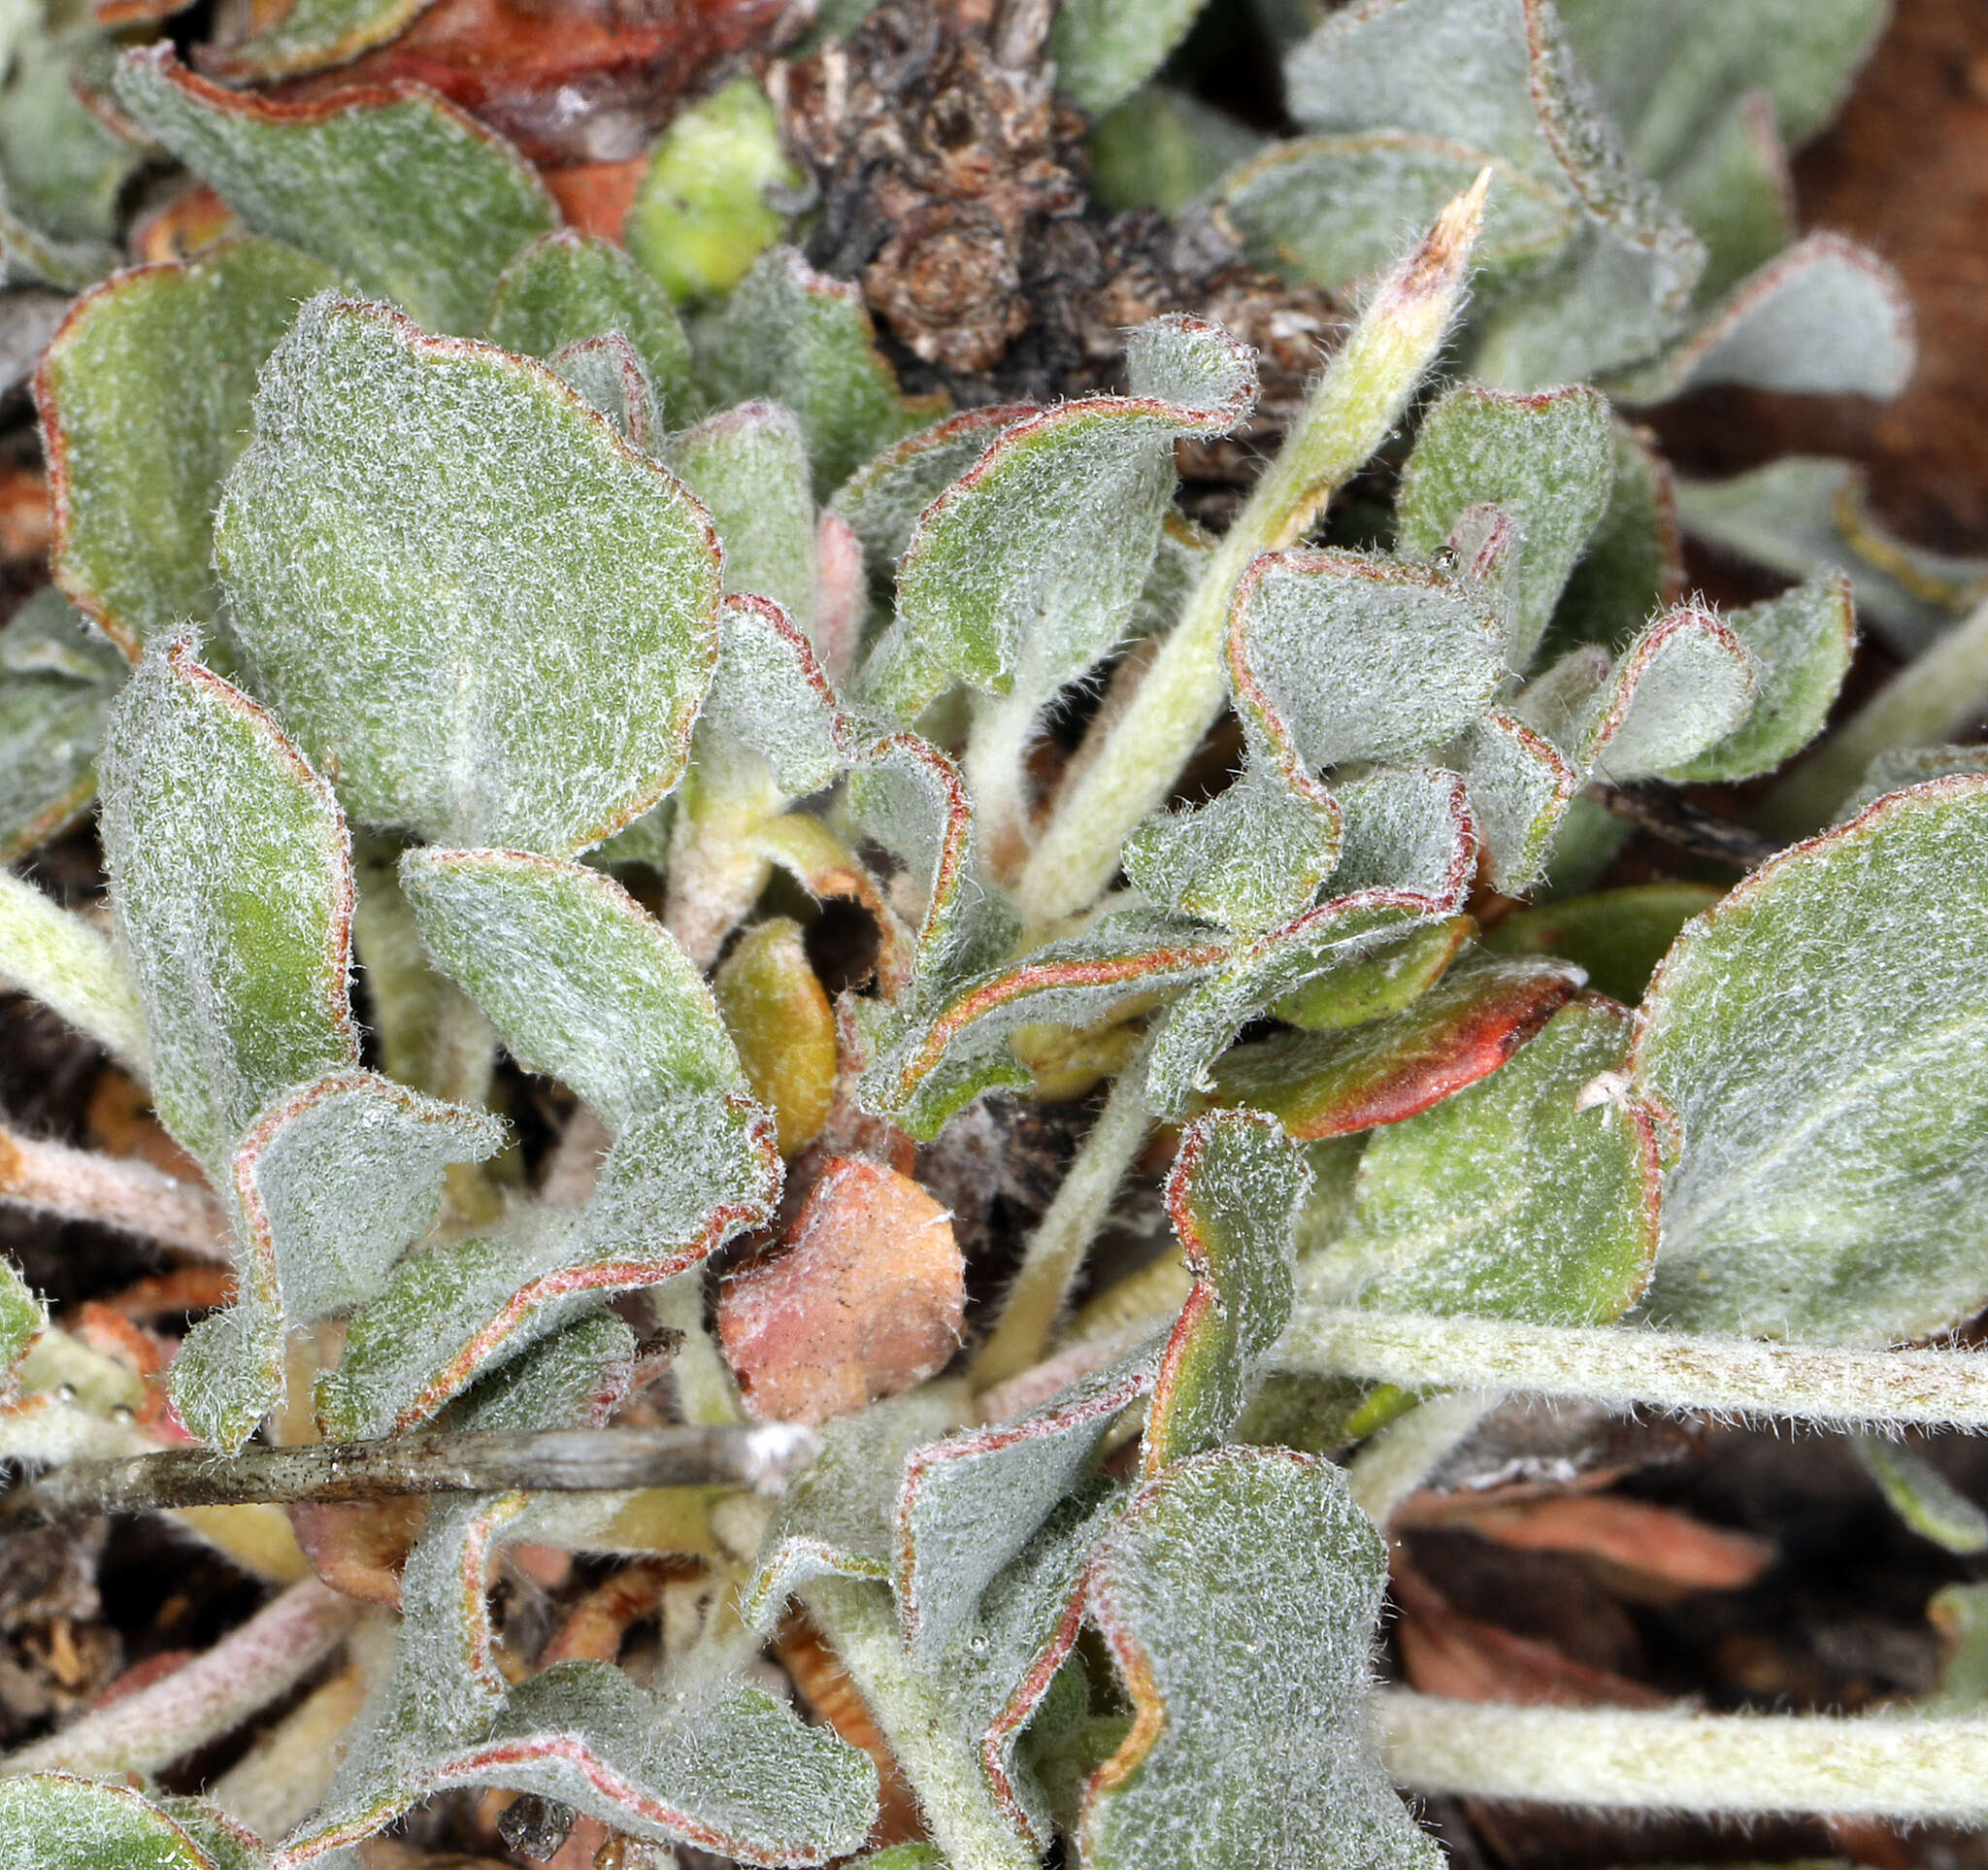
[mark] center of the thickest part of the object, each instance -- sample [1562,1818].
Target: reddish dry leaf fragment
[865,1302]
[597,1623]
[186,1289]
[27,522]
[1652,1542]
[825,1686]
[358,1549]
[595,197]
[183,227]
[567,81]
[1445,1652]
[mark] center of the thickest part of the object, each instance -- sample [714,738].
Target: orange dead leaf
[865,1302]
[827,1689]
[595,197]
[27,522]
[359,1548]
[185,224]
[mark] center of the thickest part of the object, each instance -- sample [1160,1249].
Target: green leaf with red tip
[1618,936]
[1237,1596]
[449,575]
[1819,1039]
[1233,1198]
[146,395]
[1251,857]
[579,979]
[1530,1194]
[1330,208]
[1546,459]
[566,286]
[1736,191]
[56,1822]
[794,337]
[933,1065]
[1106,48]
[330,177]
[57,685]
[231,885]
[882,499]
[608,374]
[1465,1027]
[749,466]
[311,36]
[1898,767]
[1520,785]
[1801,644]
[1826,316]
[1392,976]
[1632,565]
[1336,656]
[1025,572]
[771,700]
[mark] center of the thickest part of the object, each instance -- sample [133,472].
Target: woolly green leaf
[1330,208]
[1801,644]
[449,577]
[1735,189]
[1372,985]
[1898,767]
[1547,461]
[330,1186]
[1105,49]
[71,967]
[330,177]
[799,339]
[772,698]
[970,1504]
[1238,1595]
[721,1766]
[231,883]
[1025,572]
[749,466]
[54,1821]
[1520,787]
[1803,514]
[22,1318]
[1531,1194]
[49,732]
[700,217]
[1337,656]
[1668,69]
[1163,147]
[1826,316]
[1616,936]
[608,374]
[1251,857]
[1921,1495]
[1632,565]
[567,287]
[65,170]
[579,979]
[312,36]
[27,255]
[1818,1037]
[47,637]
[145,397]
[1407,853]
[883,500]
[1233,1198]
[836,1518]
[923,1075]
[1463,1029]
[1682,687]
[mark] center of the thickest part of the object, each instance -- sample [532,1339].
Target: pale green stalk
[1922,1497]
[1056,1248]
[70,967]
[705,1395]
[944,1770]
[1930,701]
[717,869]
[1873,1766]
[1627,1365]
[1351,412]
[1398,1460]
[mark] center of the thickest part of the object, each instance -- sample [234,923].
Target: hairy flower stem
[1625,1364]
[70,967]
[558,1461]
[1056,1248]
[860,1623]
[1350,413]
[1933,699]
[81,1185]
[1398,1460]
[1874,1765]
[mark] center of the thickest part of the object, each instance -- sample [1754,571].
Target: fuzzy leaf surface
[749,467]
[566,286]
[1818,1038]
[312,36]
[771,698]
[1678,689]
[1395,975]
[55,1822]
[1025,571]
[609,376]
[1617,935]
[1520,787]
[331,178]
[1546,459]
[797,338]
[1531,1194]
[1238,1595]
[1106,48]
[1632,565]
[50,732]
[146,395]
[1736,191]
[449,574]
[71,966]
[1898,767]
[231,885]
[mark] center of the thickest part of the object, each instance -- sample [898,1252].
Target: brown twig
[1666,813]
[578,1460]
